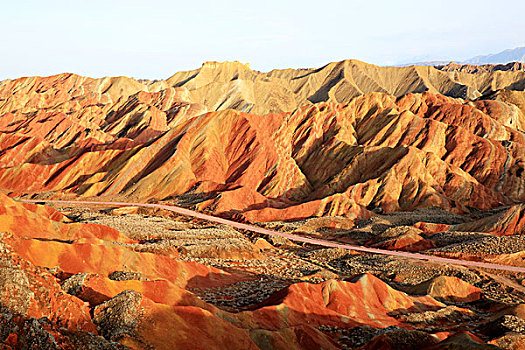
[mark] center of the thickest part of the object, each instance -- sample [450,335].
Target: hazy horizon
[156,39]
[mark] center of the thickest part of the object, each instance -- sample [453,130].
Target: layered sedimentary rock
[377,151]
[478,68]
[105,293]
[396,158]
[449,289]
[235,85]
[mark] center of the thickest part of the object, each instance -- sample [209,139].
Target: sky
[153,38]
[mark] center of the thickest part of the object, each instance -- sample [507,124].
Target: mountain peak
[506,56]
[216,64]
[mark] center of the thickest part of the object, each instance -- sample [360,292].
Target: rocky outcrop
[482,68]
[234,85]
[332,302]
[448,288]
[105,291]
[417,151]
[504,223]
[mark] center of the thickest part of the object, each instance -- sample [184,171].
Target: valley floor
[488,306]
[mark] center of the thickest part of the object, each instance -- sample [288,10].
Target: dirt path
[292,237]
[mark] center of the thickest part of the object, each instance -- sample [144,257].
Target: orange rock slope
[347,140]
[102,293]
[85,137]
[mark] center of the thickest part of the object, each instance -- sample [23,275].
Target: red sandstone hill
[67,134]
[335,146]
[100,293]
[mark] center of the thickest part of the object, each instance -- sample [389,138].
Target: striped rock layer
[117,137]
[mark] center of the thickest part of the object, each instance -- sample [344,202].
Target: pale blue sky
[155,38]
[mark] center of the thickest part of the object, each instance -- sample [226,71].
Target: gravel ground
[282,262]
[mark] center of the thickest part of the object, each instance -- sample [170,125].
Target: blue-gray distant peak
[510,55]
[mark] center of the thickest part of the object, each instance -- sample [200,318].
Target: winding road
[292,237]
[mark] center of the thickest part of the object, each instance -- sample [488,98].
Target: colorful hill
[377,151]
[420,159]
[104,293]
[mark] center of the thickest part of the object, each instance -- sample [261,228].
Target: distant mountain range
[507,56]
[511,55]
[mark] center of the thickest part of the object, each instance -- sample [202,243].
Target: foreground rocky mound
[75,285]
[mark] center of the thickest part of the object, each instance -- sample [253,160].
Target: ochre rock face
[409,240]
[446,288]
[333,302]
[470,68]
[152,143]
[505,223]
[38,222]
[162,307]
[33,292]
[68,109]
[234,85]
[101,284]
[69,284]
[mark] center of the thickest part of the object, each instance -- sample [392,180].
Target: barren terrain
[425,160]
